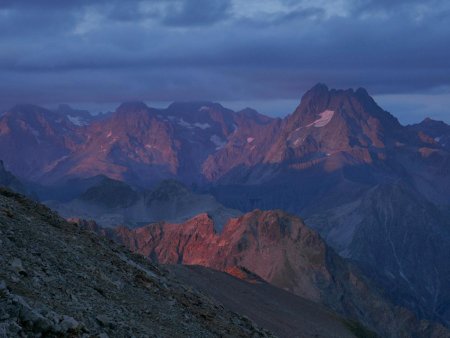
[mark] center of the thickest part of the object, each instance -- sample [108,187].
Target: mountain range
[376,191]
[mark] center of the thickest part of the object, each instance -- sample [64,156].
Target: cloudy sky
[260,53]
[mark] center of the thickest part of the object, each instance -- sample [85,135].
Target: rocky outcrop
[279,248]
[59,280]
[438,132]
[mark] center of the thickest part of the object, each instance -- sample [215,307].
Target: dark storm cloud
[53,51]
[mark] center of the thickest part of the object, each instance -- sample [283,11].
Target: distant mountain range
[110,202]
[332,132]
[378,192]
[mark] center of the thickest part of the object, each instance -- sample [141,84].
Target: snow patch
[185,124]
[437,139]
[325,118]
[188,125]
[109,134]
[202,125]
[77,120]
[250,139]
[204,108]
[218,142]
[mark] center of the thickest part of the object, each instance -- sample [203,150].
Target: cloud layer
[109,51]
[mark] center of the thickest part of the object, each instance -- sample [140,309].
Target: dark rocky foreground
[58,280]
[281,312]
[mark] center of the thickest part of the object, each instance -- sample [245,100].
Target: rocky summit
[57,280]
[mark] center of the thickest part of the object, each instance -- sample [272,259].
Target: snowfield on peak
[77,120]
[325,118]
[202,125]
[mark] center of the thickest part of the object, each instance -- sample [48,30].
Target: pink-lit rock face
[330,128]
[274,245]
[280,249]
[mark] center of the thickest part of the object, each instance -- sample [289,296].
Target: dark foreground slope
[279,311]
[58,280]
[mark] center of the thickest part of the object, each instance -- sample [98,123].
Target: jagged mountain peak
[36,116]
[27,107]
[134,114]
[319,88]
[170,188]
[132,106]
[346,101]
[428,121]
[26,110]
[352,110]
[110,193]
[254,115]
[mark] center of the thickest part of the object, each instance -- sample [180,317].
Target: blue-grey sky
[259,53]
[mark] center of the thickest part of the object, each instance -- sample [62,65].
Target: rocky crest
[279,248]
[438,132]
